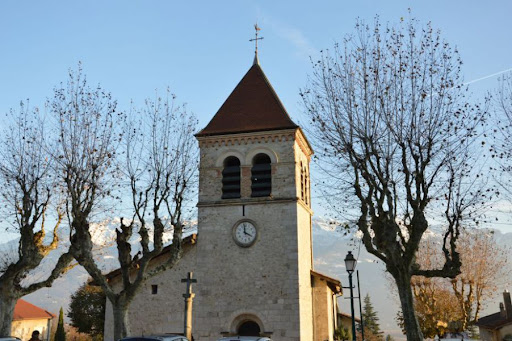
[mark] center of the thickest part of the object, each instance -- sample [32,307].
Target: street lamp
[350,265]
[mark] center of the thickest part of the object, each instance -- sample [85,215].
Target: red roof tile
[252,106]
[27,311]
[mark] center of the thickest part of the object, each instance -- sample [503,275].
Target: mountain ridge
[331,242]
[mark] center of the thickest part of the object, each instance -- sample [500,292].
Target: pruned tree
[87,311]
[392,122]
[159,162]
[26,190]
[435,306]
[455,305]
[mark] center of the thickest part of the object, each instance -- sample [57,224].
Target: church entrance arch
[247,325]
[249,328]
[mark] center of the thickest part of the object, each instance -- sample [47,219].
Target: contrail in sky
[488,76]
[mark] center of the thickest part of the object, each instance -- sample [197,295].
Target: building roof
[333,283]
[493,321]
[252,106]
[27,311]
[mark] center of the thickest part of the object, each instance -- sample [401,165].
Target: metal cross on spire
[257,29]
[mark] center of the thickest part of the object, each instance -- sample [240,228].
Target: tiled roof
[252,106]
[493,321]
[27,311]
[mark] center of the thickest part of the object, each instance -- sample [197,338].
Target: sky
[201,49]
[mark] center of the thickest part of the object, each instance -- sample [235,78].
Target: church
[252,256]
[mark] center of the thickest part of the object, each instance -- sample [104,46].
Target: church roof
[252,106]
[27,311]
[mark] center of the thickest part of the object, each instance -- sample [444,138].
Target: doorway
[249,328]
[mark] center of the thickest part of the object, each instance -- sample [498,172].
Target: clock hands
[245,232]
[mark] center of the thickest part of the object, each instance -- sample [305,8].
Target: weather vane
[257,29]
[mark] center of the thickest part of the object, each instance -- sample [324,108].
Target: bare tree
[26,188]
[455,304]
[503,131]
[485,265]
[160,159]
[390,116]
[504,100]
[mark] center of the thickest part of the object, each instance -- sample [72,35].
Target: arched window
[231,178]
[261,176]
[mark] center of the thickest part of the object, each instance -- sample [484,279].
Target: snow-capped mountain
[331,242]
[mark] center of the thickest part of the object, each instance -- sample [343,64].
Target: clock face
[245,233]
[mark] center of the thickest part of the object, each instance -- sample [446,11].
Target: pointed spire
[252,106]
[257,29]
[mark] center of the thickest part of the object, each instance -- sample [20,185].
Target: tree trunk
[7,303]
[121,322]
[412,327]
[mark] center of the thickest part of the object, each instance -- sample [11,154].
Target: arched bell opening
[231,178]
[261,176]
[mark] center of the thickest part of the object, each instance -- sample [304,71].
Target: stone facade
[268,282]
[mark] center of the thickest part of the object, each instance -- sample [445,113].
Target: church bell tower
[254,219]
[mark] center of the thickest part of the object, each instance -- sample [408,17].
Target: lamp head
[350,262]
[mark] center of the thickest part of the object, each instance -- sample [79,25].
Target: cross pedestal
[189,298]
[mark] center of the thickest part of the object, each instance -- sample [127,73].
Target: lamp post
[350,265]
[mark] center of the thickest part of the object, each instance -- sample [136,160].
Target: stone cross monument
[189,298]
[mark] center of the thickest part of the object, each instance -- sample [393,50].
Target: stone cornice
[306,207]
[247,201]
[303,143]
[247,138]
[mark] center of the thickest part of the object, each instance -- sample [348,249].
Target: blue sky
[201,49]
